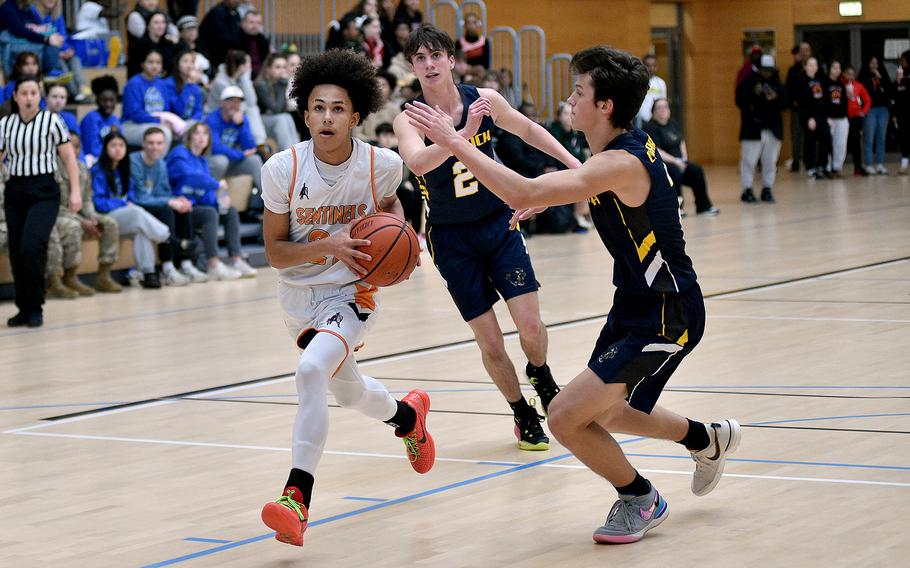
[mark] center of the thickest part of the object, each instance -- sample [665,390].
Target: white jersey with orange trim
[292,184]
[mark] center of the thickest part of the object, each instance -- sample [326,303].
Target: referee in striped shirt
[30,140]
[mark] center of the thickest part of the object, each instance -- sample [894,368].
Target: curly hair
[351,71]
[617,76]
[104,83]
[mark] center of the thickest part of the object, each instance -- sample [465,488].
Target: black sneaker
[748,196]
[36,319]
[766,195]
[542,381]
[529,432]
[18,320]
[150,280]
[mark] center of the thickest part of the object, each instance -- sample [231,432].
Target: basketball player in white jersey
[312,193]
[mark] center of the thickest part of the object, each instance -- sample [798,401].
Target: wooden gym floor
[147,429]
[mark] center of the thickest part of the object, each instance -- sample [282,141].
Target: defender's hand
[432,123]
[524,215]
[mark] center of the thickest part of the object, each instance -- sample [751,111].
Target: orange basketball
[394,248]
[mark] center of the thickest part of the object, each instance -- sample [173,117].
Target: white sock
[904,163]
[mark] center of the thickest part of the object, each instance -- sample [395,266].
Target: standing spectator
[373,46]
[836,98]
[192,179]
[253,41]
[152,191]
[138,19]
[875,126]
[813,110]
[86,223]
[657,89]
[667,135]
[236,72]
[154,39]
[113,194]
[99,122]
[49,21]
[750,65]
[189,35]
[233,146]
[271,95]
[31,139]
[902,109]
[145,104]
[573,141]
[858,105]
[473,43]
[794,81]
[760,98]
[409,11]
[367,129]
[184,94]
[17,35]
[56,103]
[219,31]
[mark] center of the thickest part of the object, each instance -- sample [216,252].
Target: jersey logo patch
[608,354]
[304,192]
[336,319]
[517,277]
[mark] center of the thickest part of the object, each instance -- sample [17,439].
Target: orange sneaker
[287,517]
[419,444]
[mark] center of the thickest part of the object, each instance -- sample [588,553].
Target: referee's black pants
[31,204]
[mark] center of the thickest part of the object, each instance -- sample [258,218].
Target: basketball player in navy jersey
[468,228]
[658,312]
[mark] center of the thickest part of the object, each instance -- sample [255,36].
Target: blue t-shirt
[94,128]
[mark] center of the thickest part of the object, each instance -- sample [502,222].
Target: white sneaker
[584,222]
[880,170]
[195,275]
[172,277]
[709,463]
[221,271]
[870,170]
[245,270]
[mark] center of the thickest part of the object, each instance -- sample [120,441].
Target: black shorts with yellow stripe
[644,341]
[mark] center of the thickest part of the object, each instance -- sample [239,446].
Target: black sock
[521,407]
[696,438]
[531,369]
[302,481]
[639,486]
[405,418]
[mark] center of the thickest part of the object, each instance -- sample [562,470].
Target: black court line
[797,301]
[862,430]
[461,342]
[798,395]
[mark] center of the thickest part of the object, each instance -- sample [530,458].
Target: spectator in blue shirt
[185,97]
[26,65]
[145,104]
[191,177]
[49,21]
[113,194]
[233,146]
[98,123]
[152,190]
[20,32]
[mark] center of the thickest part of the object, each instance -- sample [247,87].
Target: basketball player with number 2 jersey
[312,193]
[468,227]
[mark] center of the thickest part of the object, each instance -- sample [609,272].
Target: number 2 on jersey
[465,182]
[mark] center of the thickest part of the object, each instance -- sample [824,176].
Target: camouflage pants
[4,238]
[64,249]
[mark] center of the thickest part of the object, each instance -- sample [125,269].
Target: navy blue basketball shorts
[482,261]
[644,341]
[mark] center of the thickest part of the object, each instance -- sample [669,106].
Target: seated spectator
[21,32]
[367,129]
[152,191]
[192,179]
[235,72]
[154,39]
[473,43]
[98,123]
[233,146]
[761,98]
[64,253]
[409,11]
[373,46]
[344,34]
[92,19]
[407,192]
[220,31]
[397,65]
[145,104]
[573,141]
[271,95]
[364,9]
[293,61]
[506,90]
[49,21]
[189,35]
[56,102]
[184,94]
[138,19]
[26,65]
[253,41]
[672,147]
[113,195]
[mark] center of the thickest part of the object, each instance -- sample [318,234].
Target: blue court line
[207,540]
[352,498]
[782,462]
[820,418]
[29,407]
[788,387]
[375,507]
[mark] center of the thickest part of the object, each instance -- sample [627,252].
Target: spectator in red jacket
[858,105]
